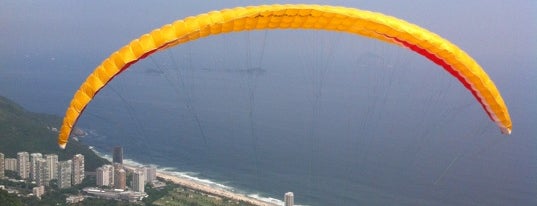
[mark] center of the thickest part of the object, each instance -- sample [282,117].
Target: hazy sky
[78,35]
[53,28]
[61,42]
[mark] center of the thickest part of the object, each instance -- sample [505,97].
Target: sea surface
[335,123]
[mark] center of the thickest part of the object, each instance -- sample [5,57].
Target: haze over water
[345,121]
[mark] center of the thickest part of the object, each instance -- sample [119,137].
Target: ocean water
[382,126]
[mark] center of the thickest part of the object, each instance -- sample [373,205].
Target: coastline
[204,186]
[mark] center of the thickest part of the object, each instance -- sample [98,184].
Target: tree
[9,199]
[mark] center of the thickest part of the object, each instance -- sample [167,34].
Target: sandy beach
[207,188]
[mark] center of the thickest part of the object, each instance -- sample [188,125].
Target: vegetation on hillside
[21,130]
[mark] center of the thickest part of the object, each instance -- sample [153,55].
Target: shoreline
[205,188]
[192,183]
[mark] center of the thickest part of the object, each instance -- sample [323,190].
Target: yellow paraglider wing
[364,23]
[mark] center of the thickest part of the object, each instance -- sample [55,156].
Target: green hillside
[21,130]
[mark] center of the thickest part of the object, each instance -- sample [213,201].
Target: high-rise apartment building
[150,173]
[52,166]
[23,164]
[289,199]
[117,155]
[102,176]
[120,179]
[64,173]
[78,169]
[110,175]
[10,164]
[105,175]
[41,174]
[2,168]
[138,182]
[34,157]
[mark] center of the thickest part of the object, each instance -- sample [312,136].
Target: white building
[289,199]
[138,182]
[34,157]
[38,191]
[102,177]
[151,173]
[110,175]
[78,169]
[10,164]
[52,166]
[40,173]
[64,174]
[2,168]
[23,164]
[105,175]
[74,199]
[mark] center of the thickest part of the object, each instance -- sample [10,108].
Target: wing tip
[506,131]
[62,146]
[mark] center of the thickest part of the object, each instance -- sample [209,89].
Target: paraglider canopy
[365,23]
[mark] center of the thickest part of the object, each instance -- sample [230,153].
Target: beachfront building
[117,156]
[34,157]
[64,174]
[78,169]
[2,165]
[10,164]
[150,173]
[105,175]
[117,178]
[23,164]
[110,174]
[102,177]
[289,199]
[120,179]
[52,166]
[138,182]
